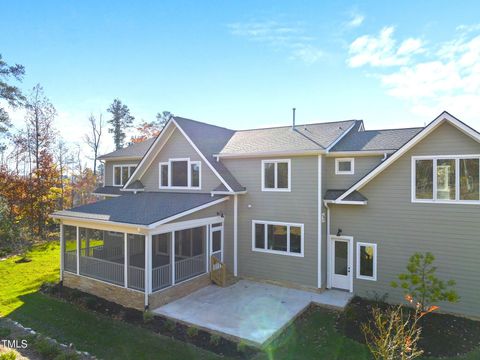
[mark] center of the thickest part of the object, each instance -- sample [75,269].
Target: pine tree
[120,121]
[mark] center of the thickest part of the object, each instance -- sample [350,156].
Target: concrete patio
[248,310]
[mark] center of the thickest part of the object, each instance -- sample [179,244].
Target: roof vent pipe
[293,123]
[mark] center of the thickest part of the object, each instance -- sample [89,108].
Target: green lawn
[89,331]
[311,337]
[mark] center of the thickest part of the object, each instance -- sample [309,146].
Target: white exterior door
[216,241]
[341,262]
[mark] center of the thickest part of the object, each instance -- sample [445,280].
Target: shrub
[11,355]
[4,332]
[148,316]
[392,336]
[46,348]
[67,356]
[421,283]
[169,325]
[242,347]
[192,331]
[214,339]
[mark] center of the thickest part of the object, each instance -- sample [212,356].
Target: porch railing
[136,278]
[189,267]
[102,269]
[161,277]
[71,261]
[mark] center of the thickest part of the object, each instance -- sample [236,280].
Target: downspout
[235,235]
[328,246]
[384,157]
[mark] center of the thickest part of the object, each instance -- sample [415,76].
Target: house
[315,206]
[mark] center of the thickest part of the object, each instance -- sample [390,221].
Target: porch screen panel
[190,252]
[102,255]
[136,261]
[70,248]
[161,262]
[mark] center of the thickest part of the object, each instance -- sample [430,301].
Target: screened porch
[119,258]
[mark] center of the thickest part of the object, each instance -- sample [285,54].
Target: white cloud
[382,50]
[445,77]
[281,37]
[356,19]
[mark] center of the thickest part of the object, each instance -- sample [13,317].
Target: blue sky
[244,64]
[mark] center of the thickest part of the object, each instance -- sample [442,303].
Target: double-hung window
[277,237]
[446,179]
[121,174]
[366,261]
[276,175]
[180,173]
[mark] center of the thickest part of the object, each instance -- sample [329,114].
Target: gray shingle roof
[302,138]
[136,185]
[136,150]
[370,140]
[335,194]
[143,208]
[108,190]
[210,140]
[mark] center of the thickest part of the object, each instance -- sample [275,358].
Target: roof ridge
[298,125]
[406,128]
[203,123]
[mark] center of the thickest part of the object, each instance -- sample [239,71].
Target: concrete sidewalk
[248,310]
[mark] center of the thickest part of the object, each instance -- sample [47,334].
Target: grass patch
[22,278]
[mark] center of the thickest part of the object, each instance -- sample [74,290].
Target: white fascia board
[335,142]
[119,158]
[414,141]
[270,153]
[202,156]
[228,192]
[95,220]
[359,153]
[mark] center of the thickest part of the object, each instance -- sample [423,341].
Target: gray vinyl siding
[178,146]
[400,227]
[109,169]
[297,206]
[363,165]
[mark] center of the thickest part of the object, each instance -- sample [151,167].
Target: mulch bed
[157,323]
[442,335]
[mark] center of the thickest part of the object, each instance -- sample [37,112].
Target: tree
[147,130]
[163,118]
[11,94]
[420,282]
[120,121]
[39,118]
[93,139]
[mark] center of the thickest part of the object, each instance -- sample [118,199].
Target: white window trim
[275,188]
[278,252]
[189,174]
[352,166]
[120,166]
[434,158]
[364,277]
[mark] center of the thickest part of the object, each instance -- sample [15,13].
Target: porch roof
[145,208]
[335,194]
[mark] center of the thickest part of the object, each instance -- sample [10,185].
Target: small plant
[241,347]
[4,332]
[8,356]
[169,325]
[67,356]
[214,339]
[192,331]
[392,335]
[421,283]
[46,348]
[148,316]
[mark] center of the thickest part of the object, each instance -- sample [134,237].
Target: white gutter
[270,153]
[360,153]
